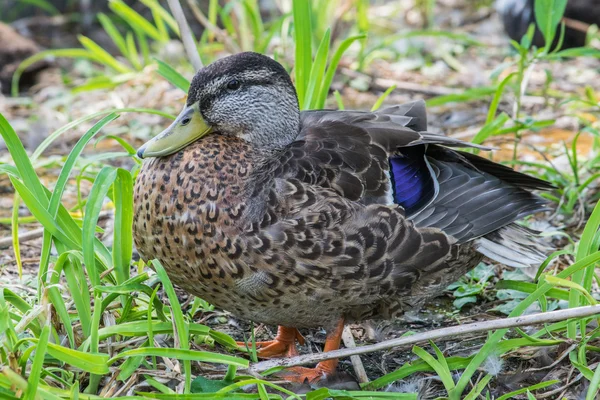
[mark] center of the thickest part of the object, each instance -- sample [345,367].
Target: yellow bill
[188,127]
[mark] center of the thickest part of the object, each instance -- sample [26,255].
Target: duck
[579,15]
[306,219]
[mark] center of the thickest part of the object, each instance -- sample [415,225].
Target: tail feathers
[515,246]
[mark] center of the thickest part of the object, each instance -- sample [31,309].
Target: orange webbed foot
[284,344]
[323,369]
[310,375]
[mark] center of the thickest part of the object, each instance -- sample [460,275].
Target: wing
[475,196]
[386,157]
[349,151]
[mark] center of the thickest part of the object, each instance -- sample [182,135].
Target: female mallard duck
[313,218]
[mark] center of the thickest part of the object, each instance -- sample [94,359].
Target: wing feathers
[372,157]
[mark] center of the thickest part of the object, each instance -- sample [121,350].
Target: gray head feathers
[250,96]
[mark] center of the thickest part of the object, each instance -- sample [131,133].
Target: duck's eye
[233,84]
[185,121]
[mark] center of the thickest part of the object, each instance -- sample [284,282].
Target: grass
[93,313]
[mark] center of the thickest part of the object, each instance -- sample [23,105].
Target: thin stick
[187,37]
[357,364]
[534,319]
[6,242]
[382,83]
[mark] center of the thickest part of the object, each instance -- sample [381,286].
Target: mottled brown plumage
[313,229]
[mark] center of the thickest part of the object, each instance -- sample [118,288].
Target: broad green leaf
[548,14]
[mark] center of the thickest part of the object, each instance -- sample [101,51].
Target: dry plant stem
[384,84]
[6,242]
[189,43]
[357,364]
[534,319]
[577,25]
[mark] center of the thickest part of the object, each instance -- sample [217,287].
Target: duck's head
[246,95]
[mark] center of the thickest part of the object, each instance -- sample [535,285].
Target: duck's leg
[284,344]
[322,369]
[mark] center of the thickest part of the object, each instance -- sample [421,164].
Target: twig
[189,43]
[534,319]
[6,242]
[383,84]
[357,364]
[576,25]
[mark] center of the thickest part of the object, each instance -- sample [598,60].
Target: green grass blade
[92,363]
[37,365]
[15,233]
[135,20]
[497,97]
[335,60]
[140,328]
[112,31]
[177,315]
[102,55]
[164,14]
[316,72]
[491,343]
[182,354]
[70,53]
[94,342]
[21,159]
[123,234]
[57,300]
[490,128]
[57,133]
[594,385]
[441,369]
[61,184]
[339,101]
[537,386]
[160,25]
[528,287]
[44,5]
[41,214]
[132,54]
[171,75]
[382,98]
[303,40]
[464,95]
[77,283]
[99,190]
[548,14]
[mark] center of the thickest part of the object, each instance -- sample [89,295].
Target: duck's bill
[188,127]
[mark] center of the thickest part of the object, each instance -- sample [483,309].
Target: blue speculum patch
[412,184]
